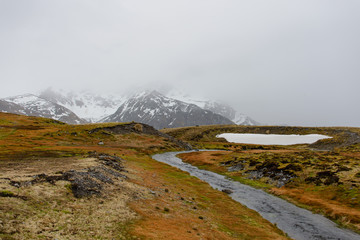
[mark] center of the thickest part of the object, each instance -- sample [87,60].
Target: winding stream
[297,222]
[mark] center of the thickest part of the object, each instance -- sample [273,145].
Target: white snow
[271,139]
[89,105]
[242,119]
[207,104]
[92,110]
[182,96]
[44,107]
[23,99]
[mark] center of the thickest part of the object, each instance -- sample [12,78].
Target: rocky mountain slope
[160,111]
[9,107]
[31,105]
[93,107]
[87,105]
[216,107]
[242,119]
[173,109]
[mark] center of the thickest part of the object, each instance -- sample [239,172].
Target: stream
[297,222]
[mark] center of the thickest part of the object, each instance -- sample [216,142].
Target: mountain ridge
[32,105]
[214,106]
[89,106]
[172,109]
[153,108]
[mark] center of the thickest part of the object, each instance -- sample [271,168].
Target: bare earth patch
[25,167]
[49,210]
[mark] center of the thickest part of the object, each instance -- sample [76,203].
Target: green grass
[250,182]
[5,133]
[6,193]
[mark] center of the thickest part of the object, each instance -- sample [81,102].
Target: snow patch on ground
[271,139]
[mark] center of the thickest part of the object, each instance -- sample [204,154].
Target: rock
[227,191]
[293,167]
[324,177]
[235,168]
[83,183]
[147,129]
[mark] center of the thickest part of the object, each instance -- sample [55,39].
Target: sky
[280,62]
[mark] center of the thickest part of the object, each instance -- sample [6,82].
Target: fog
[280,62]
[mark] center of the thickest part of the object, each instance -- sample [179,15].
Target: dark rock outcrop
[145,129]
[87,182]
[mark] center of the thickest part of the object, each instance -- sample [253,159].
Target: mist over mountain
[160,111]
[215,106]
[31,105]
[95,107]
[172,108]
[88,105]
[292,62]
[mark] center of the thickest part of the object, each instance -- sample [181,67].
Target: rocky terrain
[31,105]
[86,182]
[323,176]
[159,111]
[214,106]
[87,105]
[9,107]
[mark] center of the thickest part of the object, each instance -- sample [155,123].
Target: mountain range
[160,111]
[32,105]
[172,109]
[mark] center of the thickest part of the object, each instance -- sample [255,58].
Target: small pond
[271,139]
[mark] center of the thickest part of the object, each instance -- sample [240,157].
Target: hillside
[31,105]
[214,106]
[159,111]
[87,105]
[98,181]
[323,177]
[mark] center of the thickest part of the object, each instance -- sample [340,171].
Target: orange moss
[320,200]
[188,200]
[332,201]
[195,210]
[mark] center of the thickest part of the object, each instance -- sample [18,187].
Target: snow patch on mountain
[155,109]
[85,104]
[33,105]
[214,106]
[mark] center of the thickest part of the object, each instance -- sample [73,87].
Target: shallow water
[297,222]
[271,139]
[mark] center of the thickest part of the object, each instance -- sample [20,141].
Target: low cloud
[293,62]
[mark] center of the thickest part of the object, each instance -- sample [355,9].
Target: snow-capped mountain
[173,109]
[216,107]
[9,107]
[31,105]
[87,105]
[242,119]
[155,109]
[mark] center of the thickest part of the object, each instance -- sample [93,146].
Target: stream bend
[297,222]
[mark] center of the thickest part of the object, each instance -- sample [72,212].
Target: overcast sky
[295,62]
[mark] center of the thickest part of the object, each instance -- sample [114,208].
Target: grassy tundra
[323,177]
[98,181]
